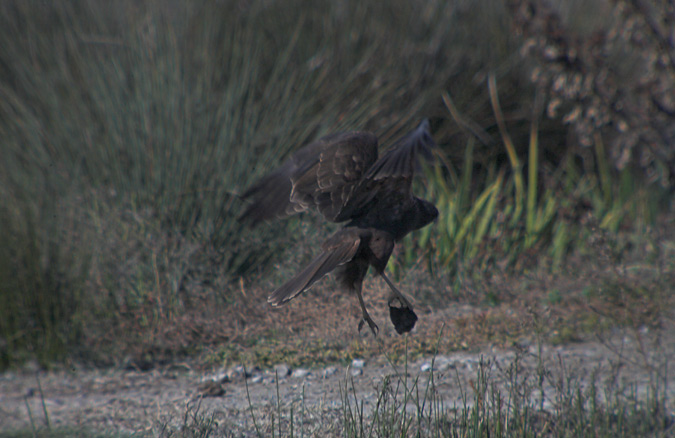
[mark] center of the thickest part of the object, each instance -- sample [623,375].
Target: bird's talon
[373,327]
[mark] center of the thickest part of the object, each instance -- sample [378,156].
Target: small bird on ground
[342,178]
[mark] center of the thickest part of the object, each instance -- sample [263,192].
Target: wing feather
[270,196]
[402,159]
[387,184]
[340,176]
[338,250]
[321,175]
[331,180]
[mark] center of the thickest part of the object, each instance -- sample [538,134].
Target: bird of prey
[341,177]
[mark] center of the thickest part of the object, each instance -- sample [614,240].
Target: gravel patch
[131,401]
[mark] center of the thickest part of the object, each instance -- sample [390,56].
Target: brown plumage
[341,177]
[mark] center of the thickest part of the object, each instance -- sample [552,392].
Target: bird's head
[426,213]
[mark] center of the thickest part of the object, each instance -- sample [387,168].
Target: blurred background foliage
[128,128]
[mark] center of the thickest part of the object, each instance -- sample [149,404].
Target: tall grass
[503,214]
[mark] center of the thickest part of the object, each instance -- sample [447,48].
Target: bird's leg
[365,316]
[398,294]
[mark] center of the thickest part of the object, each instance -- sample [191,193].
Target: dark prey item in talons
[341,177]
[403,318]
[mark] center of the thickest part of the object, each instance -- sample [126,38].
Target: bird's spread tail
[338,250]
[301,282]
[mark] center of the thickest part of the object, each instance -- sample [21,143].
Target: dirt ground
[118,400]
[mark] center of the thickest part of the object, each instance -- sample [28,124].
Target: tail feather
[301,282]
[344,246]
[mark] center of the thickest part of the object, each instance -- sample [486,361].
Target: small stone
[256,378]
[211,388]
[442,363]
[235,373]
[355,371]
[358,363]
[329,371]
[224,378]
[179,368]
[300,373]
[33,366]
[240,372]
[282,370]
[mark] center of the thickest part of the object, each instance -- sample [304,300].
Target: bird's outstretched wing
[340,176]
[321,175]
[387,184]
[337,250]
[402,159]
